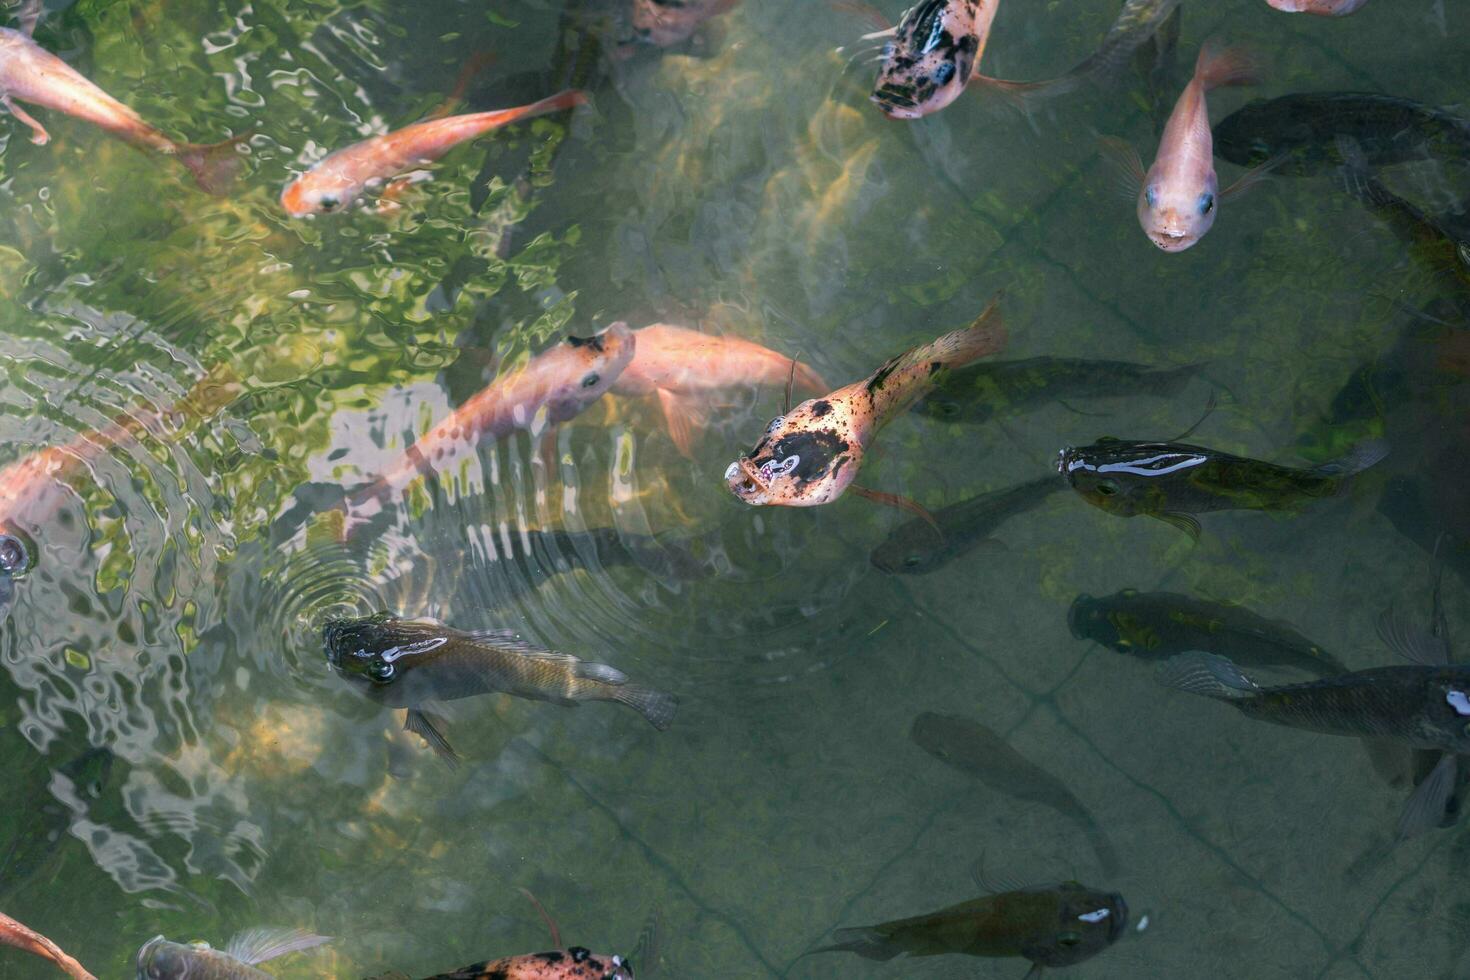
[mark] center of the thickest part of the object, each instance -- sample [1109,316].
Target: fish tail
[1207,674]
[1364,455]
[568,99]
[986,335]
[657,706]
[214,165]
[865,941]
[1220,66]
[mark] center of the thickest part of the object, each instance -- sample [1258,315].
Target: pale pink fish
[552,387]
[341,177]
[932,56]
[1177,198]
[669,22]
[686,369]
[1323,8]
[13,933]
[30,73]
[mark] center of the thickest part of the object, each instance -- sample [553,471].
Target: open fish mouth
[744,480]
[1171,241]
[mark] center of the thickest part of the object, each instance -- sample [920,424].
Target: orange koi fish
[12,933]
[811,455]
[341,177]
[552,387]
[30,73]
[685,368]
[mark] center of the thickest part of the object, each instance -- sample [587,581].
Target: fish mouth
[744,481]
[1171,241]
[1119,919]
[1065,458]
[1075,613]
[145,953]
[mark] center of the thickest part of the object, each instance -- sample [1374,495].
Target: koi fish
[341,177]
[932,56]
[552,387]
[1323,8]
[12,933]
[684,368]
[810,455]
[160,959]
[1177,197]
[665,23]
[30,73]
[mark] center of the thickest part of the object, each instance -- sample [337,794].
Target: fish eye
[1151,196]
[949,409]
[776,423]
[381,670]
[591,380]
[944,73]
[328,203]
[913,561]
[1107,488]
[1206,203]
[1069,939]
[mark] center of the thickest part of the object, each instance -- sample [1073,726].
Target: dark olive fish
[1302,131]
[1050,925]
[975,750]
[980,392]
[1171,481]
[1157,625]
[915,547]
[405,663]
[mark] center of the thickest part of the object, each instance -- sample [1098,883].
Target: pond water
[177,756]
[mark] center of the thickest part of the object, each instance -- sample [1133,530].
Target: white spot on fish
[731,470]
[1458,701]
[423,646]
[1097,916]
[1149,467]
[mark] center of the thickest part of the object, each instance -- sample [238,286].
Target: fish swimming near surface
[160,959]
[811,455]
[340,178]
[977,751]
[1172,481]
[686,369]
[1178,195]
[979,393]
[1158,625]
[664,23]
[1323,8]
[1050,925]
[410,664]
[1301,132]
[13,933]
[917,548]
[1421,706]
[550,388]
[932,56]
[30,73]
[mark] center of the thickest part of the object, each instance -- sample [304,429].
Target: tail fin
[1364,455]
[569,99]
[1219,66]
[657,706]
[986,335]
[1207,674]
[865,941]
[215,166]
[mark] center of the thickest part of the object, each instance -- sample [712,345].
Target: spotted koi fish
[341,177]
[811,455]
[30,73]
[932,56]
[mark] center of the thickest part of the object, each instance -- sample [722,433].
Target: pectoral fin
[1425,808]
[1125,163]
[902,503]
[422,725]
[259,945]
[1182,522]
[1390,760]
[685,419]
[39,136]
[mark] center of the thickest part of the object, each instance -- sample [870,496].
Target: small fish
[1157,625]
[1171,481]
[552,387]
[974,749]
[12,933]
[1322,8]
[932,55]
[685,369]
[1301,132]
[1421,706]
[30,73]
[980,392]
[406,663]
[810,455]
[1177,197]
[664,23]
[916,548]
[341,177]
[1050,925]
[160,959]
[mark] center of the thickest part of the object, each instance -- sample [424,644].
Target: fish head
[664,23]
[1127,478]
[930,59]
[914,548]
[580,370]
[1176,213]
[1088,922]
[1449,707]
[160,959]
[318,191]
[373,648]
[1087,620]
[806,457]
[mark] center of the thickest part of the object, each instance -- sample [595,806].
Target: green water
[741,185]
